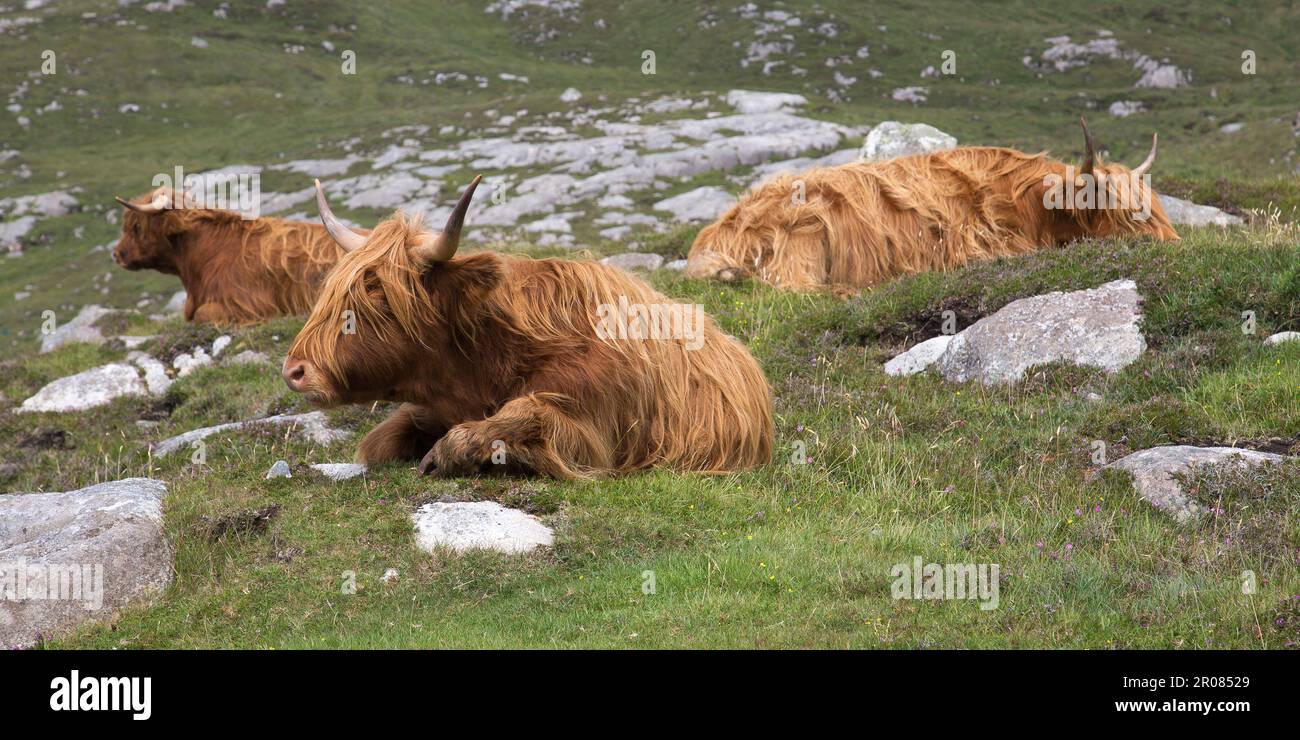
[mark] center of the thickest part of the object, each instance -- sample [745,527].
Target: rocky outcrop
[78,556]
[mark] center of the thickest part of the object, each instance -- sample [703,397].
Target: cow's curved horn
[161,201]
[1142,169]
[345,237]
[442,247]
[1090,156]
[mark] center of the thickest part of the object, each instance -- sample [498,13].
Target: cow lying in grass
[235,271]
[858,224]
[508,363]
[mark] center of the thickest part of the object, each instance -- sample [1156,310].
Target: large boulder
[893,139]
[478,525]
[78,556]
[1096,327]
[1154,472]
[1186,213]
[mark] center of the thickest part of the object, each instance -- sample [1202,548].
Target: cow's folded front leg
[404,435]
[539,433]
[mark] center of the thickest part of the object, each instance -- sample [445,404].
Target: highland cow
[847,227]
[235,270]
[508,363]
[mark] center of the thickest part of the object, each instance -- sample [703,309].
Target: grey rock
[105,543]
[701,204]
[88,389]
[676,265]
[477,525]
[1126,108]
[634,261]
[177,303]
[1153,472]
[919,357]
[79,328]
[339,471]
[1186,213]
[313,426]
[893,139]
[1096,327]
[279,469]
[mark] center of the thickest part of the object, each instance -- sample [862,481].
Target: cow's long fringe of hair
[863,223]
[707,409]
[265,266]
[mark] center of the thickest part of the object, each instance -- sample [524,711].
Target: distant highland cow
[847,227]
[523,365]
[235,270]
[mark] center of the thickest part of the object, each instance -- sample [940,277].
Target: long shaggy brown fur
[235,270]
[488,350]
[863,223]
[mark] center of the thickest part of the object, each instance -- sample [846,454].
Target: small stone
[219,344]
[1283,336]
[390,575]
[570,95]
[279,470]
[339,471]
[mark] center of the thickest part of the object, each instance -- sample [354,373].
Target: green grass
[790,555]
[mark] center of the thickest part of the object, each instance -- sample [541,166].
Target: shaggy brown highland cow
[500,363]
[235,270]
[847,227]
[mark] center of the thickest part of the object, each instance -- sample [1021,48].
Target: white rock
[919,357]
[187,362]
[1154,472]
[676,265]
[1126,108]
[1283,336]
[111,533]
[479,525]
[748,101]
[570,95]
[339,471]
[1096,327]
[280,469]
[94,387]
[701,204]
[893,139]
[219,344]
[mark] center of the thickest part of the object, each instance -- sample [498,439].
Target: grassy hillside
[790,555]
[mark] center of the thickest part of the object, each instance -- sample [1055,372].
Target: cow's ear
[464,280]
